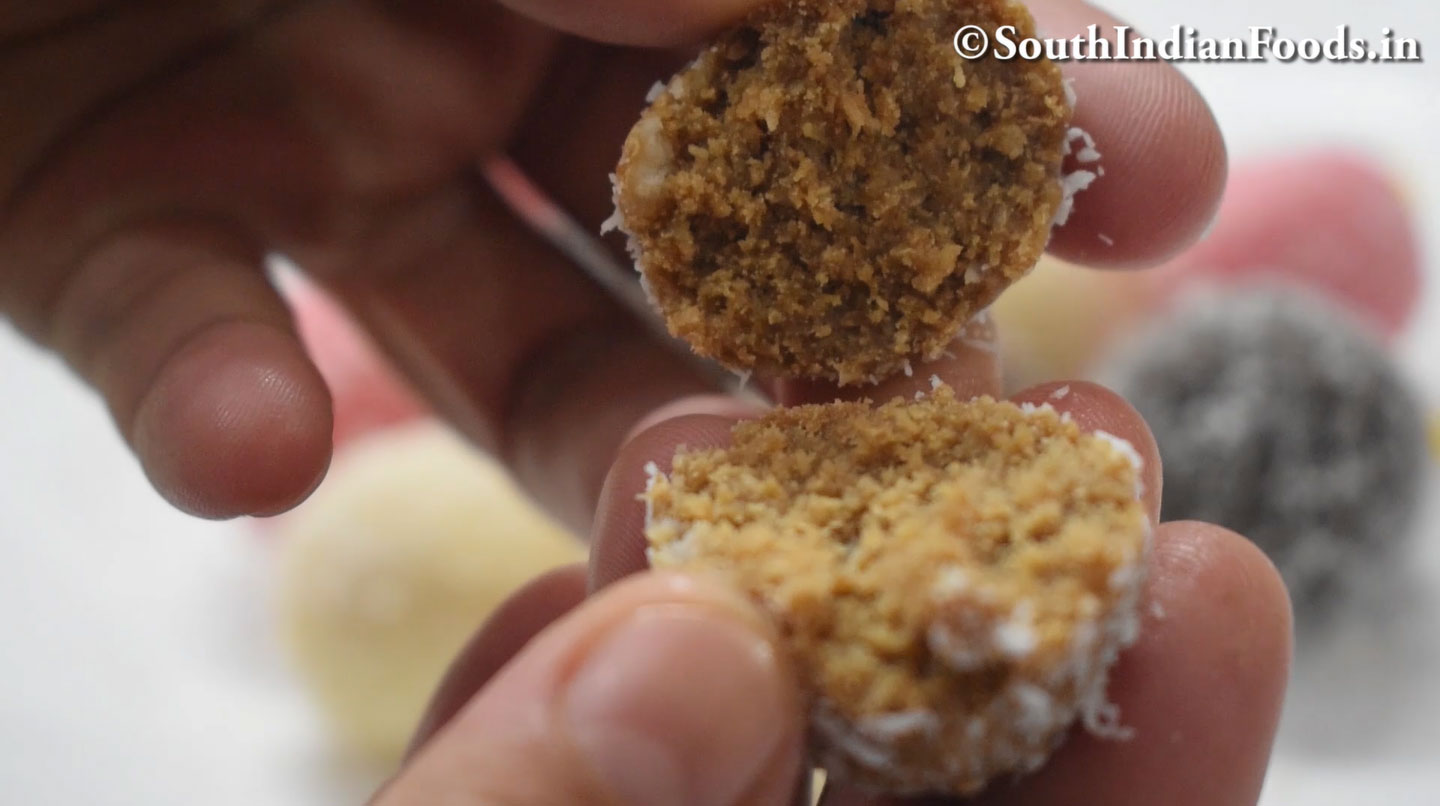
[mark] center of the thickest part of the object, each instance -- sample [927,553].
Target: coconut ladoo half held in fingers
[830,191]
[952,579]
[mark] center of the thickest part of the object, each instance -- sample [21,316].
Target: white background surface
[137,664]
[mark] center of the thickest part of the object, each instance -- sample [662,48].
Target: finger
[1201,689]
[507,631]
[1161,150]
[510,341]
[971,367]
[650,23]
[1096,408]
[251,116]
[194,352]
[663,690]
[502,334]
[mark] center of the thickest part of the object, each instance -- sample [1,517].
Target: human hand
[153,153]
[1201,689]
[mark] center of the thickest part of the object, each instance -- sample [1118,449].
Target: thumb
[660,690]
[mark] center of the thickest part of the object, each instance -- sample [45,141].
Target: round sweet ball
[831,190]
[1331,220]
[410,543]
[1279,417]
[953,580]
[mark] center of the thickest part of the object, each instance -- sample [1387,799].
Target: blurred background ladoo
[1287,364]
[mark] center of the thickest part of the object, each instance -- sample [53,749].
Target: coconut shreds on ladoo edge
[953,580]
[831,190]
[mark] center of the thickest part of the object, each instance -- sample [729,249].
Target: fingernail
[678,705]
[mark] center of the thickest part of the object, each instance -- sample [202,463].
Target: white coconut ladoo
[410,543]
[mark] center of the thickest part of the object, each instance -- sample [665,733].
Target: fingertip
[664,688]
[236,422]
[1162,153]
[1165,169]
[1207,679]
[733,739]
[1232,584]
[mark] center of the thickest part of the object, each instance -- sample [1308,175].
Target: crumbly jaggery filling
[831,190]
[921,557]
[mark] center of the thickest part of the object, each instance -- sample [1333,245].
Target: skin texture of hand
[151,154]
[696,706]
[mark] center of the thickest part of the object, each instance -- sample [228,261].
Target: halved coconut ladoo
[831,191]
[952,579]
